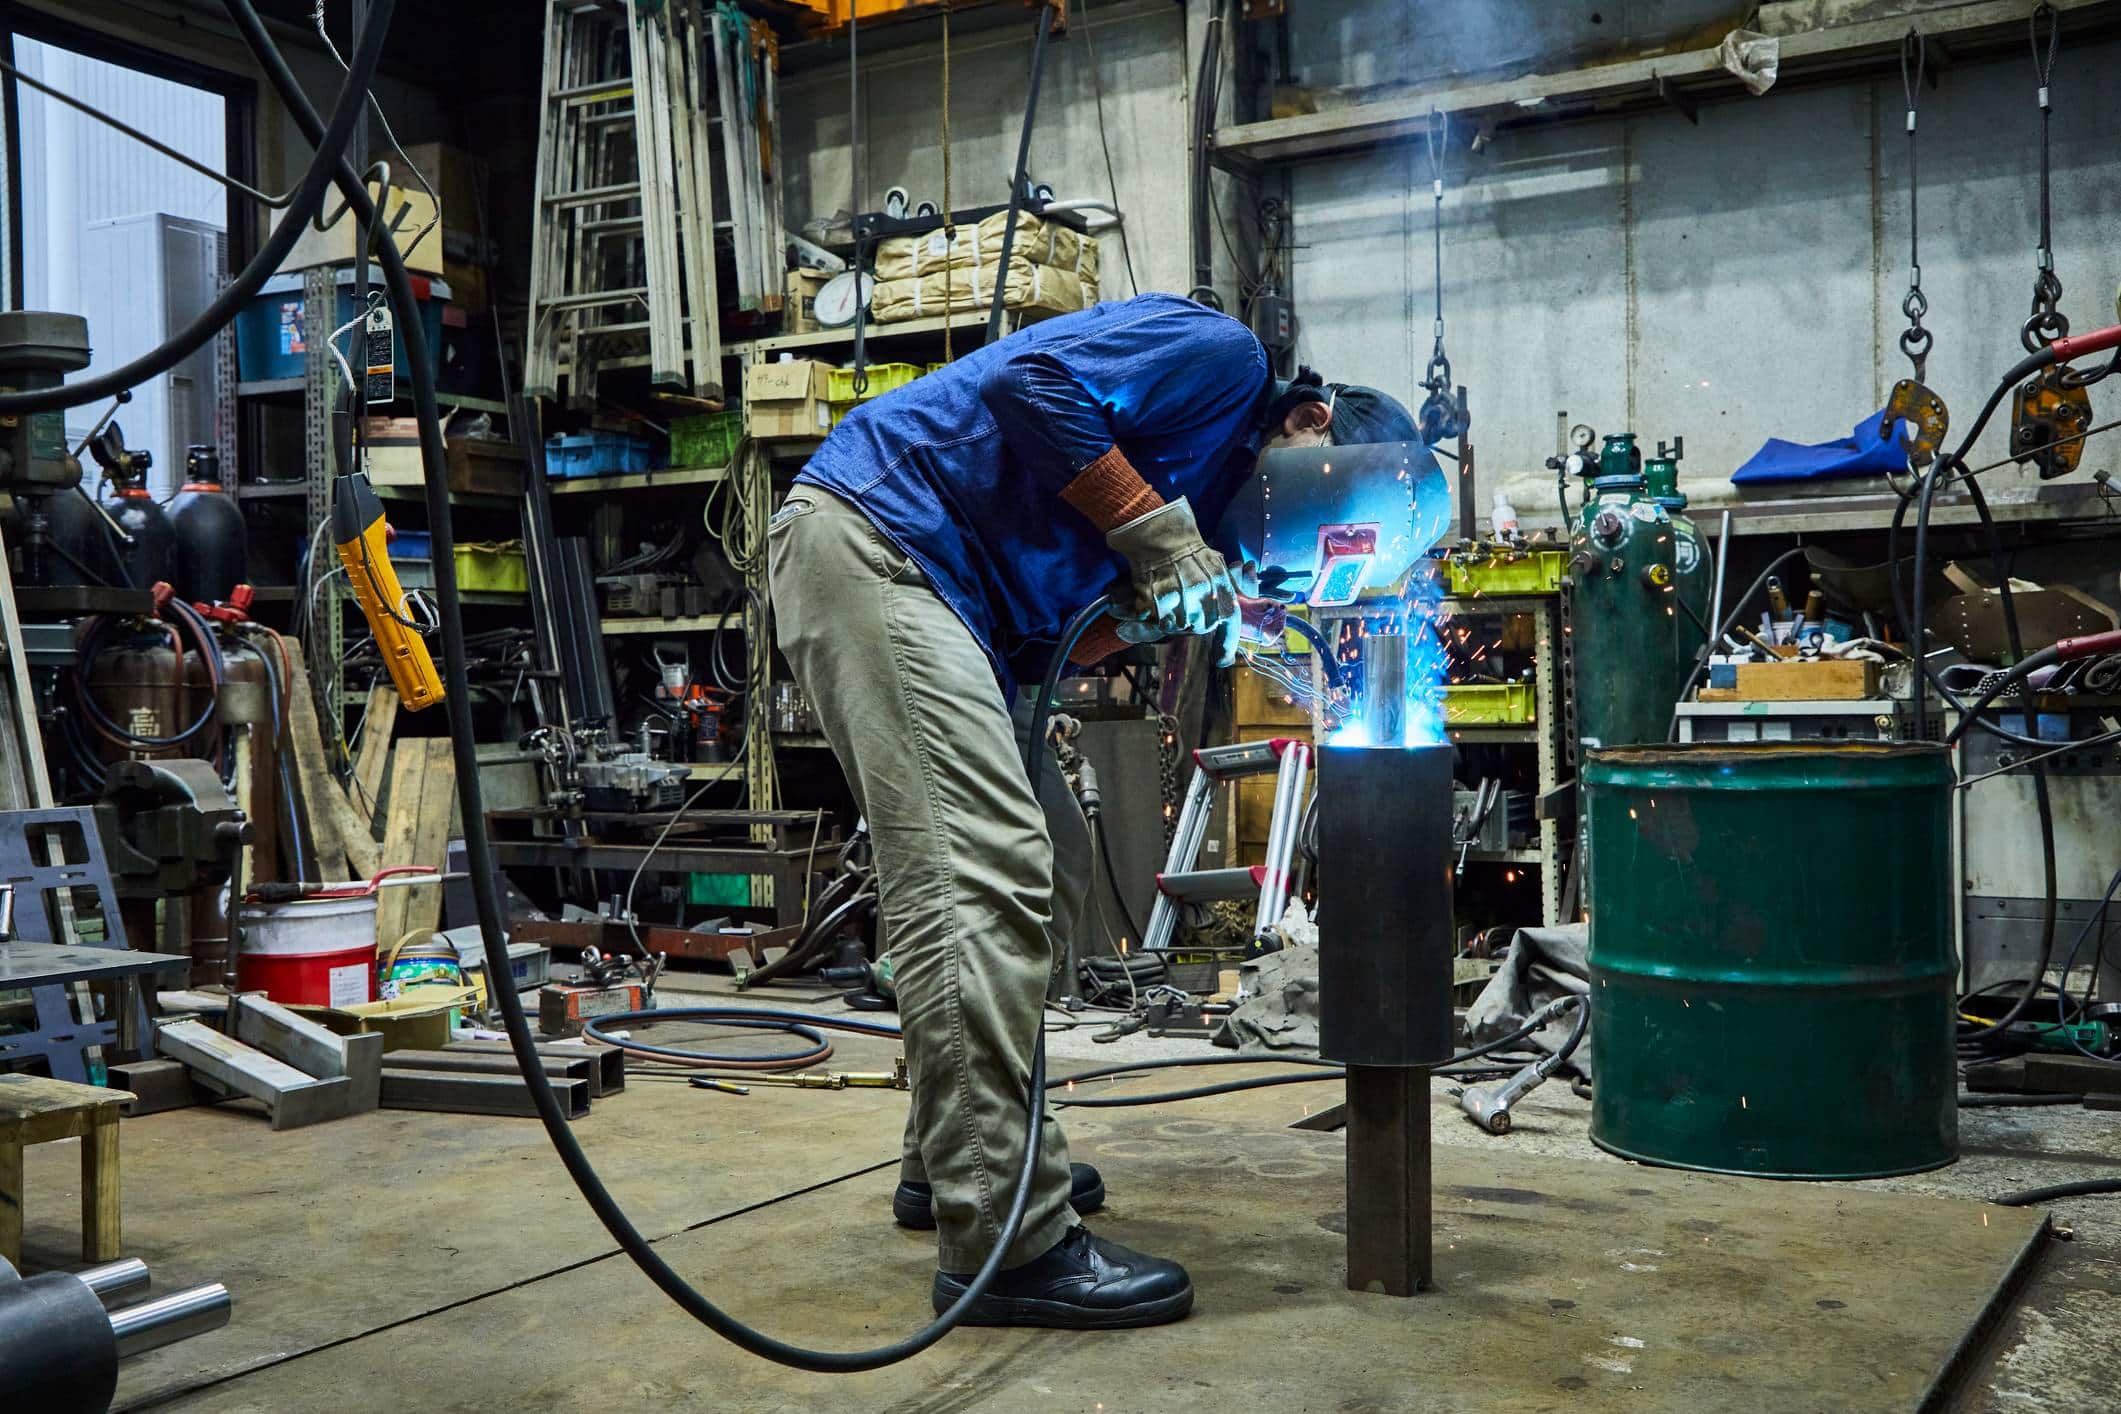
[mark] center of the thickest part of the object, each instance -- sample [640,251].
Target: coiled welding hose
[805,1024]
[485,892]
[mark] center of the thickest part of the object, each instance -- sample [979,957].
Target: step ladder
[624,255]
[1181,884]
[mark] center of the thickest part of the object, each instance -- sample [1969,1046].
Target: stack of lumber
[397,807]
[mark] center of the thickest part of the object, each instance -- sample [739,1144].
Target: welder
[923,566]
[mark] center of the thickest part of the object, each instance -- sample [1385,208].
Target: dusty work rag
[1541,965]
[1279,1011]
[1870,450]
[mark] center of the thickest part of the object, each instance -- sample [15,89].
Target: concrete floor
[385,1259]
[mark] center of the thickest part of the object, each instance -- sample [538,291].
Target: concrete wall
[1729,282]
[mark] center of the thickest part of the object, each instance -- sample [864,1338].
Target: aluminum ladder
[1289,758]
[623,247]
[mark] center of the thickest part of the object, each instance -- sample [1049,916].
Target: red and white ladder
[1180,883]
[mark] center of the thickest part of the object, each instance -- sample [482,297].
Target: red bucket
[313,952]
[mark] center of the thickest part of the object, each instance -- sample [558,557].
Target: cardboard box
[462,183]
[1811,680]
[787,400]
[418,1020]
[476,464]
[404,211]
[800,305]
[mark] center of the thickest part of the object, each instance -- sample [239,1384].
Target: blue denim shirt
[963,468]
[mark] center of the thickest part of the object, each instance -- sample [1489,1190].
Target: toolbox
[274,330]
[563,1006]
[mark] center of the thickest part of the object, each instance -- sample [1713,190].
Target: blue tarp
[1868,451]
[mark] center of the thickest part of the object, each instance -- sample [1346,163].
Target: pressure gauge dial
[1581,436]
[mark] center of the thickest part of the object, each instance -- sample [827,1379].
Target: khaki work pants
[965,857]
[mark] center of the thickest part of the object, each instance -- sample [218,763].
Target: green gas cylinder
[1692,574]
[1623,631]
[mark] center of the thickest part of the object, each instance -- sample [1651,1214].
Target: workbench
[797,842]
[47,971]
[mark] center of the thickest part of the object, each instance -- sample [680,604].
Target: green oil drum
[1772,974]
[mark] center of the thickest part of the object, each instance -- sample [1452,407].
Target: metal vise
[168,827]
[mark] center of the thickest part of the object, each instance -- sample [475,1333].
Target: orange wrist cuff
[1099,642]
[1109,492]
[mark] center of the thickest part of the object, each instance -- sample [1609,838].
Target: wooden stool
[35,1110]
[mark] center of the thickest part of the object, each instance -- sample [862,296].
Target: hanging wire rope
[1915,341]
[2046,323]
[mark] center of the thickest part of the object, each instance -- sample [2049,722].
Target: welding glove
[1180,585]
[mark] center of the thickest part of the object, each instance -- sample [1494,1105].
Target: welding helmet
[1360,415]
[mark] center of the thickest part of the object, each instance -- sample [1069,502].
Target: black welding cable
[1322,1070]
[1911,610]
[485,890]
[1104,854]
[801,1023]
[2062,1014]
[1259,1082]
[1701,659]
[308,199]
[2089,1188]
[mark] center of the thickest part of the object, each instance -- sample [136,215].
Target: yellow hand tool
[362,536]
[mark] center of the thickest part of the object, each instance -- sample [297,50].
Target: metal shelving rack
[318,294]
[1543,733]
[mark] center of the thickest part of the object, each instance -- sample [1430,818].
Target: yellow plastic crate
[1485,704]
[492,568]
[883,377]
[1534,572]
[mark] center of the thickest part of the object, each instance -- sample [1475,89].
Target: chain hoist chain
[2046,323]
[857,171]
[1915,341]
[1167,772]
[1438,377]
[949,221]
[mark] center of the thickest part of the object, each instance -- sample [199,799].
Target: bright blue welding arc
[1427,664]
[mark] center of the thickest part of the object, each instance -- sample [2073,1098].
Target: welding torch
[1488,1105]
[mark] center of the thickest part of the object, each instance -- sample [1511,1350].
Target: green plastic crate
[705,441]
[1535,572]
[492,567]
[1483,704]
[718,890]
[883,377]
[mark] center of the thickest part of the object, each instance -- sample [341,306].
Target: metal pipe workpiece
[1385,936]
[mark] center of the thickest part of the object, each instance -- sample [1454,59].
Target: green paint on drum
[1772,969]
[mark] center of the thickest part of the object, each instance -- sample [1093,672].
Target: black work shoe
[1082,1283]
[913,1205]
